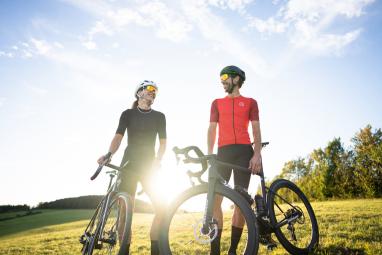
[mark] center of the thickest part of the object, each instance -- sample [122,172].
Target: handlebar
[107,159]
[203,159]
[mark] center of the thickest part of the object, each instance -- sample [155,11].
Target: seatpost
[111,180]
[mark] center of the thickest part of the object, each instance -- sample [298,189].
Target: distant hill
[89,202]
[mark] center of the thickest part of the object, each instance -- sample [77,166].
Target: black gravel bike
[188,227]
[108,231]
[282,209]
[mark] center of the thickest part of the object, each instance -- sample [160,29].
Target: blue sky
[68,69]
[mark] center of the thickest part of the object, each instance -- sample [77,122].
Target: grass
[346,227]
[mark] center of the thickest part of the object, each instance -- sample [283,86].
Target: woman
[143,124]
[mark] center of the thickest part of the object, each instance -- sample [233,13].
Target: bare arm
[256,136]
[114,145]
[211,137]
[255,162]
[162,148]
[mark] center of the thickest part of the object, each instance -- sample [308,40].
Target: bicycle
[282,208]
[108,231]
[195,206]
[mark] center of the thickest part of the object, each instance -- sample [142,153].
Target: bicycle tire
[109,239]
[278,212]
[174,238]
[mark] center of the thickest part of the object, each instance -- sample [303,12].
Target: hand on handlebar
[104,159]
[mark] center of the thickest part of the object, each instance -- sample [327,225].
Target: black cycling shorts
[237,154]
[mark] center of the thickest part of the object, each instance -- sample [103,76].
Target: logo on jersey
[241,104]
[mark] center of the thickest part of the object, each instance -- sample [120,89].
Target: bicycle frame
[105,202]
[213,179]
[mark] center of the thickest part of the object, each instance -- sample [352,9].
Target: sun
[169,181]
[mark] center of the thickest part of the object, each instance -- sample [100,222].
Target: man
[233,114]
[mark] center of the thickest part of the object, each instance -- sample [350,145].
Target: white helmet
[144,84]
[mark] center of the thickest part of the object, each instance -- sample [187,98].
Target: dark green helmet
[233,70]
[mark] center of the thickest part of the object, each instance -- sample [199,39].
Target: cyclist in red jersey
[233,114]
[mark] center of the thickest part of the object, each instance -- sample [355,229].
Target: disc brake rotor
[205,238]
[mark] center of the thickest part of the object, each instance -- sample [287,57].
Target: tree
[368,162]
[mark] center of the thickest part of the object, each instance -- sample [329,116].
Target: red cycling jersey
[233,116]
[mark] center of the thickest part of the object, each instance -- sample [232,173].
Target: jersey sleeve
[254,111]
[162,127]
[122,124]
[214,114]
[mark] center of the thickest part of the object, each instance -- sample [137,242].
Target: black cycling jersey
[142,127]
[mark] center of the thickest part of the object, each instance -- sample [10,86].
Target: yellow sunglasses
[224,77]
[150,88]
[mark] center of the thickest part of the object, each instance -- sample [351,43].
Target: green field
[346,227]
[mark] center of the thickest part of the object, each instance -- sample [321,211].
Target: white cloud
[165,21]
[308,23]
[231,4]
[213,27]
[322,43]
[41,46]
[314,10]
[269,25]
[171,25]
[100,28]
[37,91]
[26,54]
[122,17]
[90,45]
[6,54]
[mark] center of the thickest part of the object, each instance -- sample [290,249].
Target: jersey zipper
[233,118]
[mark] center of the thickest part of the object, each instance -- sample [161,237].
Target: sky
[69,68]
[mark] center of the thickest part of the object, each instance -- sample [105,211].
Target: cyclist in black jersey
[143,125]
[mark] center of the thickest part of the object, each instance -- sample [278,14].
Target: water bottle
[260,207]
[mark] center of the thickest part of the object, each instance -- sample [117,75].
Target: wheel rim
[184,232]
[112,237]
[299,228]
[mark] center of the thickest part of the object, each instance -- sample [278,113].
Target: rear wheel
[112,236]
[293,216]
[182,225]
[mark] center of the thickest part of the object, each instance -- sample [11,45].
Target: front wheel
[293,217]
[111,233]
[182,226]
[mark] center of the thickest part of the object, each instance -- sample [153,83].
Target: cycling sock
[215,244]
[235,238]
[154,247]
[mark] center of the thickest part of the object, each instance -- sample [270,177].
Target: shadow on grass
[335,250]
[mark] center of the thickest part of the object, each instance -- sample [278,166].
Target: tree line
[14,208]
[88,202]
[338,172]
